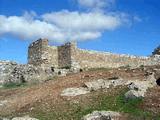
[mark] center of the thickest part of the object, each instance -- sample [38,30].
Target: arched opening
[80,70]
[59,73]
[158,81]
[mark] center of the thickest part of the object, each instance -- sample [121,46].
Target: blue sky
[129,26]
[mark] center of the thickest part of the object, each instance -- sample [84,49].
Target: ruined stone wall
[94,59]
[68,55]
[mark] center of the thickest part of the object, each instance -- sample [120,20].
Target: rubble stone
[74,91]
[102,115]
[133,94]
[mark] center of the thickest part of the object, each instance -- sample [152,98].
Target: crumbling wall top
[39,41]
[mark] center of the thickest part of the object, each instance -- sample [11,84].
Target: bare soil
[23,100]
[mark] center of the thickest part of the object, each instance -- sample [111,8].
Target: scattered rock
[24,118]
[151,78]
[19,118]
[74,91]
[118,82]
[96,85]
[140,85]
[3,103]
[11,72]
[102,115]
[133,94]
[139,88]
[101,84]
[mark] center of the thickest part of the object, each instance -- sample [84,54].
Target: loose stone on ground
[74,91]
[102,115]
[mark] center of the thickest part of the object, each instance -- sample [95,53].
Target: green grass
[75,111]
[13,85]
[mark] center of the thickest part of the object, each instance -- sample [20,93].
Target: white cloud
[66,25]
[60,26]
[96,4]
[27,28]
[92,21]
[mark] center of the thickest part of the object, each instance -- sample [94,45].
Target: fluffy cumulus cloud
[28,28]
[63,25]
[92,21]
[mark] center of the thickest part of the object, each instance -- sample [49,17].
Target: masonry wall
[64,55]
[40,53]
[35,52]
[52,56]
[68,55]
[94,59]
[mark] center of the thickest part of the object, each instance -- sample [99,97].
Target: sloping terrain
[43,100]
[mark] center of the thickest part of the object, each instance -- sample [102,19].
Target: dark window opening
[158,81]
[22,79]
[81,70]
[52,69]
[59,73]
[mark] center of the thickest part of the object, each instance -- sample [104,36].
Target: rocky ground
[50,101]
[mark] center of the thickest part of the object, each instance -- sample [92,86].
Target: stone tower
[36,52]
[66,54]
[41,54]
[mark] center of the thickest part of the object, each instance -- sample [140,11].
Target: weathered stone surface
[11,72]
[6,68]
[24,118]
[140,85]
[102,115]
[104,84]
[139,88]
[97,84]
[118,82]
[133,94]
[68,55]
[19,118]
[151,78]
[74,91]
[3,103]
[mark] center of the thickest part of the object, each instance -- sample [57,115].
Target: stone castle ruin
[69,56]
[46,62]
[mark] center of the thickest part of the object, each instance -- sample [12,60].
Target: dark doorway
[52,69]
[158,81]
